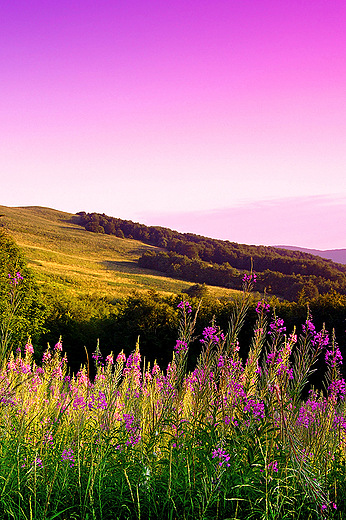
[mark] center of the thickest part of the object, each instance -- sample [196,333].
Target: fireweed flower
[277,326]
[273,466]
[67,455]
[185,305]
[101,402]
[333,357]
[292,338]
[270,358]
[275,359]
[258,369]
[29,349]
[48,439]
[250,278]
[58,346]
[16,279]
[309,327]
[132,368]
[256,408]
[222,456]
[211,335]
[235,346]
[121,358]
[337,389]
[339,422]
[230,420]
[262,307]
[109,359]
[132,427]
[321,339]
[221,362]
[283,369]
[309,413]
[156,369]
[23,367]
[46,356]
[97,357]
[37,462]
[148,378]
[82,378]
[136,357]
[180,346]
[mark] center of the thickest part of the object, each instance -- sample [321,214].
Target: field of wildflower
[231,439]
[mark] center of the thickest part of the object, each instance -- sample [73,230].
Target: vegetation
[91,289]
[228,439]
[64,256]
[22,311]
[239,425]
[285,273]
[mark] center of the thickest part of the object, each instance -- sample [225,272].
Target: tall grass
[232,439]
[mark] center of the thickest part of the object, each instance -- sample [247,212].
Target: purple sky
[224,118]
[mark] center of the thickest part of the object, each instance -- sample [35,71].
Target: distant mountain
[337,255]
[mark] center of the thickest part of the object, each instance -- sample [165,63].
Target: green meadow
[61,252]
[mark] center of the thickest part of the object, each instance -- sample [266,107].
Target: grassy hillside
[291,275]
[61,252]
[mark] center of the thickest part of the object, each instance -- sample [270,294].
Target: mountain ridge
[336,255]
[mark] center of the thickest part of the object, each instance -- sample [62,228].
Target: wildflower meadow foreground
[232,439]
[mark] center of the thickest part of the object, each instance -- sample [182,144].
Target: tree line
[288,274]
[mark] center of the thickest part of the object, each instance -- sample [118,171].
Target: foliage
[289,274]
[117,324]
[22,311]
[231,438]
[80,320]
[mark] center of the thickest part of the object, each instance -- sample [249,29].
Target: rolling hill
[62,252]
[287,273]
[87,254]
[85,266]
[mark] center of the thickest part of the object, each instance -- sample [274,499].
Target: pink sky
[224,118]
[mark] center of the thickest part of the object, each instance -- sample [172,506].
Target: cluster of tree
[22,310]
[288,286]
[290,274]
[193,270]
[154,320]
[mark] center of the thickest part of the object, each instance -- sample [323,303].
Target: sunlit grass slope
[61,252]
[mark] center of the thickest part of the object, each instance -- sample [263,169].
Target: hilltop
[61,252]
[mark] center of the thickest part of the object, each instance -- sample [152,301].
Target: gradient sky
[223,118]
